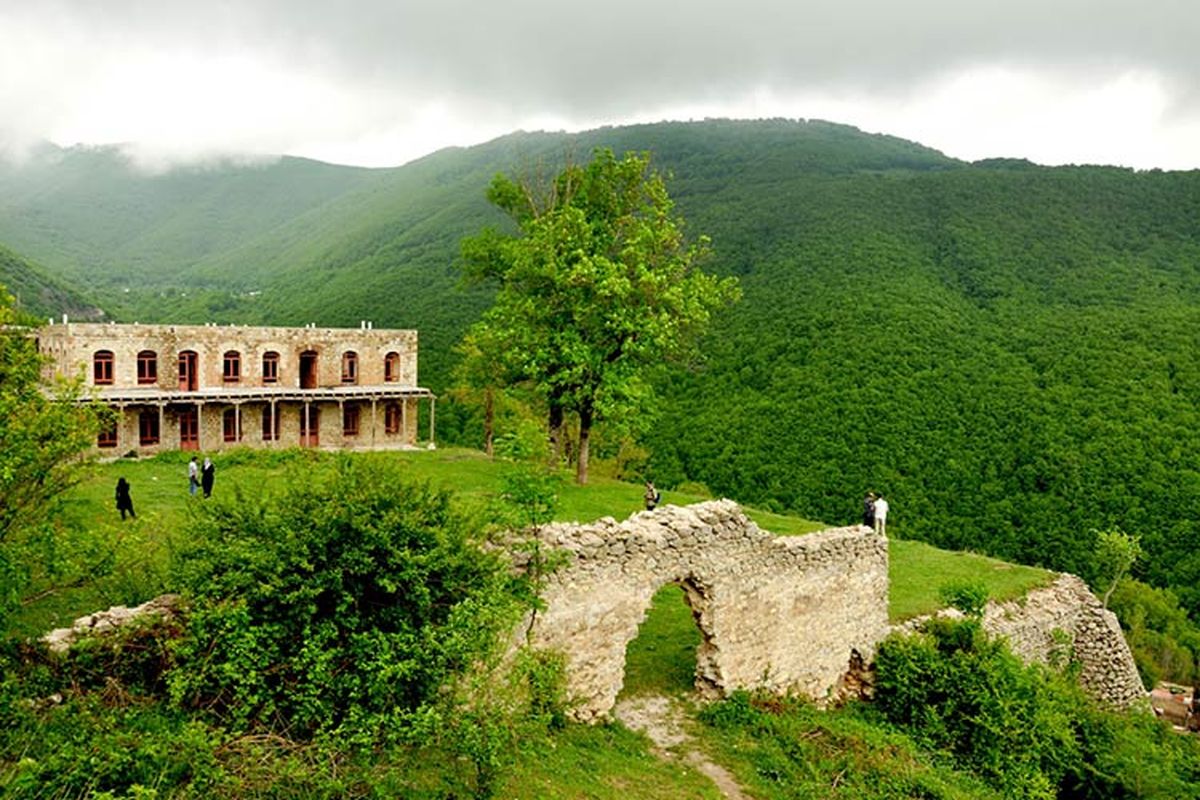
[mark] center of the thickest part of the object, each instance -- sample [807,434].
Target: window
[189,375]
[391,368]
[350,414]
[270,367]
[107,436]
[391,418]
[231,370]
[350,367]
[147,367]
[148,428]
[102,370]
[231,421]
[270,425]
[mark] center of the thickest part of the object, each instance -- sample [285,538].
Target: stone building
[208,387]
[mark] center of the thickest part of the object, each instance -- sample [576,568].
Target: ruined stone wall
[1066,620]
[781,613]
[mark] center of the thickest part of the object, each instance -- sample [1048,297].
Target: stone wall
[1065,619]
[775,612]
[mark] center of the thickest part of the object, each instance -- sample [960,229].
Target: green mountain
[40,294]
[1008,352]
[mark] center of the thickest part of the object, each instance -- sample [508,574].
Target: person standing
[652,496]
[869,509]
[207,474]
[193,476]
[124,501]
[881,511]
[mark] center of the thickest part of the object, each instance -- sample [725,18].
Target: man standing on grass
[881,509]
[193,476]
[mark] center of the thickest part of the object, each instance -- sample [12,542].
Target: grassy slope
[843,750]
[159,490]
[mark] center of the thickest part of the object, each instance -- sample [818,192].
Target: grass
[159,488]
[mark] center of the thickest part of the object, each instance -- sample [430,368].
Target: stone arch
[781,613]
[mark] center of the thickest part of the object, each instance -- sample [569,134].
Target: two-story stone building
[208,387]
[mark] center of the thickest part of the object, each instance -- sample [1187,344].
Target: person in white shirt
[881,509]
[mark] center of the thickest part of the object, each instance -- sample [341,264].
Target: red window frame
[231,366]
[102,368]
[270,424]
[391,368]
[147,367]
[350,367]
[107,437]
[391,418]
[351,416]
[270,367]
[148,428]
[231,425]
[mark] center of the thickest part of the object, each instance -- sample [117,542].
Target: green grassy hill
[40,294]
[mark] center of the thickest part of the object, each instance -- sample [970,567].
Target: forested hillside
[1008,352]
[40,294]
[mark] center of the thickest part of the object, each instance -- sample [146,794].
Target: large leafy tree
[598,285]
[41,435]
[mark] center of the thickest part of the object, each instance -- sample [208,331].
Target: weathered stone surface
[60,640]
[781,613]
[1062,621]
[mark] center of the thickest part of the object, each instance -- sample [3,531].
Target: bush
[1029,732]
[339,607]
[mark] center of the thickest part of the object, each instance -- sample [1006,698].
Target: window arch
[270,367]
[391,368]
[231,366]
[147,367]
[102,368]
[349,367]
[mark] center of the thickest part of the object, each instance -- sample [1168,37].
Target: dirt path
[662,718]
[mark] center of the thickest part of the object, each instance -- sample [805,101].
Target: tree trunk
[489,421]
[556,428]
[585,430]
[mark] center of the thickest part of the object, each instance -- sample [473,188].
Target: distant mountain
[1007,351]
[41,295]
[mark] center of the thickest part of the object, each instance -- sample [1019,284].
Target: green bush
[1029,732]
[341,606]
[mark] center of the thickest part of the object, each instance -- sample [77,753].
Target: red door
[188,379]
[308,369]
[189,429]
[310,426]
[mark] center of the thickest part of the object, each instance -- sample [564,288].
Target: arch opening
[673,652]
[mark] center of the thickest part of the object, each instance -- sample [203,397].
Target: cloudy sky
[380,82]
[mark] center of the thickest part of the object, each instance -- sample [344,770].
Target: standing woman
[207,475]
[124,501]
[869,509]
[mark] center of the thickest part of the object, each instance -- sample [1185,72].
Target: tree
[1116,553]
[598,286]
[41,437]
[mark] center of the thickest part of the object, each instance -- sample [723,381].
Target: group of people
[200,478]
[875,510]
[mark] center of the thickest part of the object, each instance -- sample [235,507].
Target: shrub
[339,607]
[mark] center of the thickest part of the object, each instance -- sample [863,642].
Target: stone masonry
[210,387]
[775,612]
[1066,619]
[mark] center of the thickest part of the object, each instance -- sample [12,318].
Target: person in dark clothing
[869,510]
[124,501]
[207,474]
[652,496]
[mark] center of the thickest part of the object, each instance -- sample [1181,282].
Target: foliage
[1027,731]
[599,286]
[340,607]
[1164,641]
[786,748]
[1116,553]
[41,438]
[969,597]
